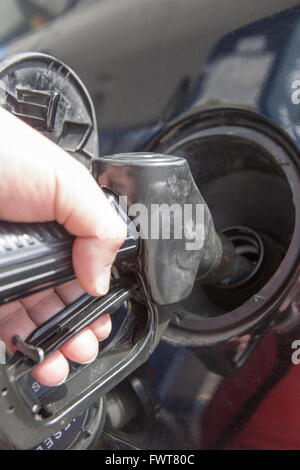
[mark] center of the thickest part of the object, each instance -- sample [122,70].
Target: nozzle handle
[37,256]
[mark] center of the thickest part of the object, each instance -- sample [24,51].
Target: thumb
[40,182]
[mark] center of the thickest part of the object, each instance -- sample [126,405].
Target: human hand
[40,182]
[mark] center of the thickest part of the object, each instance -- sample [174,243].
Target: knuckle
[115,245]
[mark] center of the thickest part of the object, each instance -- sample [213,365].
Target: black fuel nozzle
[179,240]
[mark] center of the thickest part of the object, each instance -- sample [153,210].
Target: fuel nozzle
[179,240]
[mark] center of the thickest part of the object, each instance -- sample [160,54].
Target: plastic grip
[38,256]
[32,257]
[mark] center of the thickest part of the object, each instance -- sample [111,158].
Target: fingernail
[104,281]
[91,360]
[61,382]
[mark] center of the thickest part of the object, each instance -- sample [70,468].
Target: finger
[44,306]
[14,321]
[83,348]
[92,260]
[53,371]
[34,299]
[41,182]
[102,327]
[69,291]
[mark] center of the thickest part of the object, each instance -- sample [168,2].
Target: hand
[40,182]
